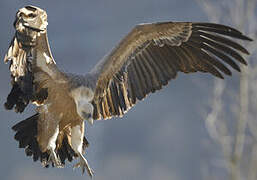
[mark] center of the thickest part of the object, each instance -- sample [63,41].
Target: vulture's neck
[43,47]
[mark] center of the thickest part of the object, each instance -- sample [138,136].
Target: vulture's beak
[90,121]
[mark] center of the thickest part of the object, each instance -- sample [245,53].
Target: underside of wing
[22,78]
[28,54]
[152,54]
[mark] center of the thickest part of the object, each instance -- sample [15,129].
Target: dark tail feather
[26,135]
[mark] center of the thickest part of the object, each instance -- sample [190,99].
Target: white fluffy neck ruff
[82,97]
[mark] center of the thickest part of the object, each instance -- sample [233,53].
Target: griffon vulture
[144,61]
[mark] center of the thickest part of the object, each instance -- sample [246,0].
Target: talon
[55,160]
[83,164]
[76,165]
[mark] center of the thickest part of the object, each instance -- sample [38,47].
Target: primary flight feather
[144,61]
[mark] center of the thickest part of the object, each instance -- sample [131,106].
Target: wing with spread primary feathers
[21,54]
[152,54]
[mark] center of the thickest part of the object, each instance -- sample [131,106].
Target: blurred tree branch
[242,15]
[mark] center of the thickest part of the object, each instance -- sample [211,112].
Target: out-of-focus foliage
[236,136]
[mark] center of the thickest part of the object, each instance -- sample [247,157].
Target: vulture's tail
[26,135]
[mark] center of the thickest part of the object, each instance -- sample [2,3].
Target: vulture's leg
[77,136]
[47,133]
[83,164]
[51,148]
[54,159]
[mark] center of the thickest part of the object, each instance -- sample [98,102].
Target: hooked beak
[88,117]
[90,121]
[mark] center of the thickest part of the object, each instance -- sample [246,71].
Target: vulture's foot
[55,160]
[83,164]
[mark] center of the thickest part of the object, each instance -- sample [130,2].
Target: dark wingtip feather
[215,26]
[220,76]
[247,38]
[8,106]
[243,37]
[245,63]
[221,29]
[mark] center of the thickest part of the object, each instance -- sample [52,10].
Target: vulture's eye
[86,115]
[30,8]
[32,15]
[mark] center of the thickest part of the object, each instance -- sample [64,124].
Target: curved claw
[53,159]
[83,164]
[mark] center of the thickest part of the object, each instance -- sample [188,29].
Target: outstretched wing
[152,54]
[29,54]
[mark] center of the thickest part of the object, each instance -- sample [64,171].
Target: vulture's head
[31,17]
[30,21]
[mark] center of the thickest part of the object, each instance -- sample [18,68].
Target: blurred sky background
[164,137]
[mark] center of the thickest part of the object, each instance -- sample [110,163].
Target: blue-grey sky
[163,137]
